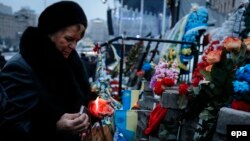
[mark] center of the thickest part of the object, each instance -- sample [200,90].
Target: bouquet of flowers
[166,75]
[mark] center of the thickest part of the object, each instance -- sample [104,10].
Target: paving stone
[143,117]
[148,93]
[233,117]
[188,130]
[169,100]
[219,137]
[168,132]
[146,105]
[142,125]
[153,138]
[140,132]
[146,86]
[172,115]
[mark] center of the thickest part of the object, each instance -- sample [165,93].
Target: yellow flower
[186,51]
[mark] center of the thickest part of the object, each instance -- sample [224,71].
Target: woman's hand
[75,123]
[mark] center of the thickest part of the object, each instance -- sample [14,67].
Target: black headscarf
[60,15]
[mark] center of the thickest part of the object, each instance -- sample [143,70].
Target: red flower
[195,81]
[204,58]
[215,42]
[219,47]
[197,73]
[114,82]
[202,65]
[210,48]
[183,89]
[96,48]
[158,88]
[140,73]
[240,105]
[169,82]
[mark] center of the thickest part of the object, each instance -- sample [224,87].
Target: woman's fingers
[81,123]
[73,122]
[84,118]
[82,127]
[70,116]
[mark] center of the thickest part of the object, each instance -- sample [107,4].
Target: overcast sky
[92,8]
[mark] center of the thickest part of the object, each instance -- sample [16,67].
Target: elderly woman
[45,82]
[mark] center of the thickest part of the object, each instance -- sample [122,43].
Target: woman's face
[66,40]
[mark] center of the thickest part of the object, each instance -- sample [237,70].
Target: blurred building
[26,16]
[5,9]
[225,6]
[137,17]
[13,25]
[97,30]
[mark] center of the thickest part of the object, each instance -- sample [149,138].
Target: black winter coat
[3,99]
[41,86]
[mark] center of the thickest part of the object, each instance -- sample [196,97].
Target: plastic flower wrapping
[230,27]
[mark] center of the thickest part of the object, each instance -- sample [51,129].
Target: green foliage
[133,57]
[206,75]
